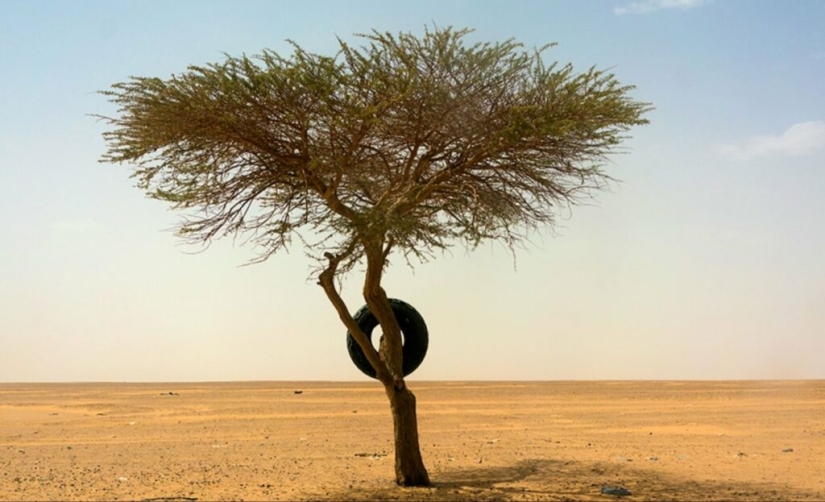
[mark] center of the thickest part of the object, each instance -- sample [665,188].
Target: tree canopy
[409,143]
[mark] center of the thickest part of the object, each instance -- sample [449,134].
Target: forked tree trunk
[388,363]
[409,466]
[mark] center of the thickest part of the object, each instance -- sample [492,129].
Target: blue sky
[705,262]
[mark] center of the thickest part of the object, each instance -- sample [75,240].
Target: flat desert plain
[750,440]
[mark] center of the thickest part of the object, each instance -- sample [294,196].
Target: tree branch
[327,281]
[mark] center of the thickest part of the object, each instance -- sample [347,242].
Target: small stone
[616,491]
[787,450]
[299,392]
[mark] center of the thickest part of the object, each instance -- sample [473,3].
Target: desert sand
[480,441]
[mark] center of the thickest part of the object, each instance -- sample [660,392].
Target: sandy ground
[481,441]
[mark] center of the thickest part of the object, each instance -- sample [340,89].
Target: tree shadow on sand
[559,481]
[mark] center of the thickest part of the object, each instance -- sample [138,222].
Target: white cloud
[800,139]
[646,6]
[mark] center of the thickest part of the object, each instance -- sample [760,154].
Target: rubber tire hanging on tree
[416,337]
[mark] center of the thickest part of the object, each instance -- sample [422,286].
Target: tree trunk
[409,466]
[387,361]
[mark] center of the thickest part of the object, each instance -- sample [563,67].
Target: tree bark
[388,362]
[409,466]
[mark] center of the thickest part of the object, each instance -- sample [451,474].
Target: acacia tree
[402,146]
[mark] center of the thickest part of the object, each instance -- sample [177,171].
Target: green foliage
[409,143]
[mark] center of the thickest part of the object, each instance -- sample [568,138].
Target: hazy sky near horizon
[707,261]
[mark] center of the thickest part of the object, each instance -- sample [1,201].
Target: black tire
[416,337]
